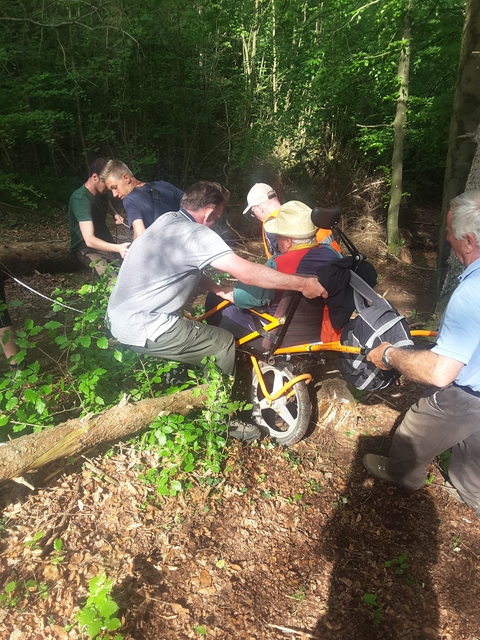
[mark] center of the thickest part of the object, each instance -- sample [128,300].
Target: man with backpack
[143,202]
[447,414]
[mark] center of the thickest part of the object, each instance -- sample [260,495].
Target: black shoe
[243,431]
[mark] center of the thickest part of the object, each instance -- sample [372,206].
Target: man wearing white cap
[300,254]
[264,204]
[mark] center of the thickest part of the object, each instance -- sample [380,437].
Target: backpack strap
[155,194]
[383,329]
[363,292]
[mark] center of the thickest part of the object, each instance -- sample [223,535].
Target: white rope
[41,294]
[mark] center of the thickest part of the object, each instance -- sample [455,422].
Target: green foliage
[32,543]
[300,595]
[96,375]
[96,616]
[181,446]
[57,556]
[429,479]
[17,590]
[371,600]
[401,567]
[86,368]
[216,89]
[456,544]
[444,460]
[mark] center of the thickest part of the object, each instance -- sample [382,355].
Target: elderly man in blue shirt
[447,416]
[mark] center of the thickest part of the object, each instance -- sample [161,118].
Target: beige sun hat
[258,194]
[292,221]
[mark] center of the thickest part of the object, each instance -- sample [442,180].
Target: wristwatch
[385,360]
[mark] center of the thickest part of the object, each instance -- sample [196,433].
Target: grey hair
[466,215]
[310,240]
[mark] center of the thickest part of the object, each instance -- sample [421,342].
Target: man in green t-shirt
[90,239]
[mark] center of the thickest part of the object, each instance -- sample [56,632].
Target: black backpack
[377,322]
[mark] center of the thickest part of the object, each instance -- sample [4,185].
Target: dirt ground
[285,545]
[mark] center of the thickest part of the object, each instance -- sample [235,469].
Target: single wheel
[286,419]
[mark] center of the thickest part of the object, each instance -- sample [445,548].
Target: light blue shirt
[459,333]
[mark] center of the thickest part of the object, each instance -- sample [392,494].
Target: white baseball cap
[258,194]
[293,221]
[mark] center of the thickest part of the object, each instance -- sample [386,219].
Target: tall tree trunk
[249,49]
[461,144]
[399,135]
[274,51]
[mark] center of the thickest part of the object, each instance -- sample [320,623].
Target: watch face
[385,361]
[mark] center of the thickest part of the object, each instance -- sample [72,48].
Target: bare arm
[138,228]
[422,366]
[222,291]
[88,233]
[260,276]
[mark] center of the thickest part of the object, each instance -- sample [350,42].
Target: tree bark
[37,449]
[399,136]
[464,123]
[25,257]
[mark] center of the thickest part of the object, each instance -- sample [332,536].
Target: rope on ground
[8,273]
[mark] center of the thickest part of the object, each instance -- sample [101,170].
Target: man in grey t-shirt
[163,267]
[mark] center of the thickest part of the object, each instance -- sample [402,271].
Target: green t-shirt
[85,207]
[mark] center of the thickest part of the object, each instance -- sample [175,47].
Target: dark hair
[96,166]
[204,194]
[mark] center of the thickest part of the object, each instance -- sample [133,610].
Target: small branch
[373,126]
[70,23]
[365,6]
[412,266]
[239,236]
[299,632]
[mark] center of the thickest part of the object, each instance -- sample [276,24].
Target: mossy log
[69,438]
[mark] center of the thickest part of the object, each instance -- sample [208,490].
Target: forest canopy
[216,89]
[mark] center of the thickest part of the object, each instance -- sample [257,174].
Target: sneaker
[243,431]
[375,465]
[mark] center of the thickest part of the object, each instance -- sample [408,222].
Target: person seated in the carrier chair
[263,204]
[301,254]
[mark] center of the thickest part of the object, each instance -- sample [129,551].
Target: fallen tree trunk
[37,449]
[26,257]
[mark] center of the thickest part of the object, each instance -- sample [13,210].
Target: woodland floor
[284,546]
